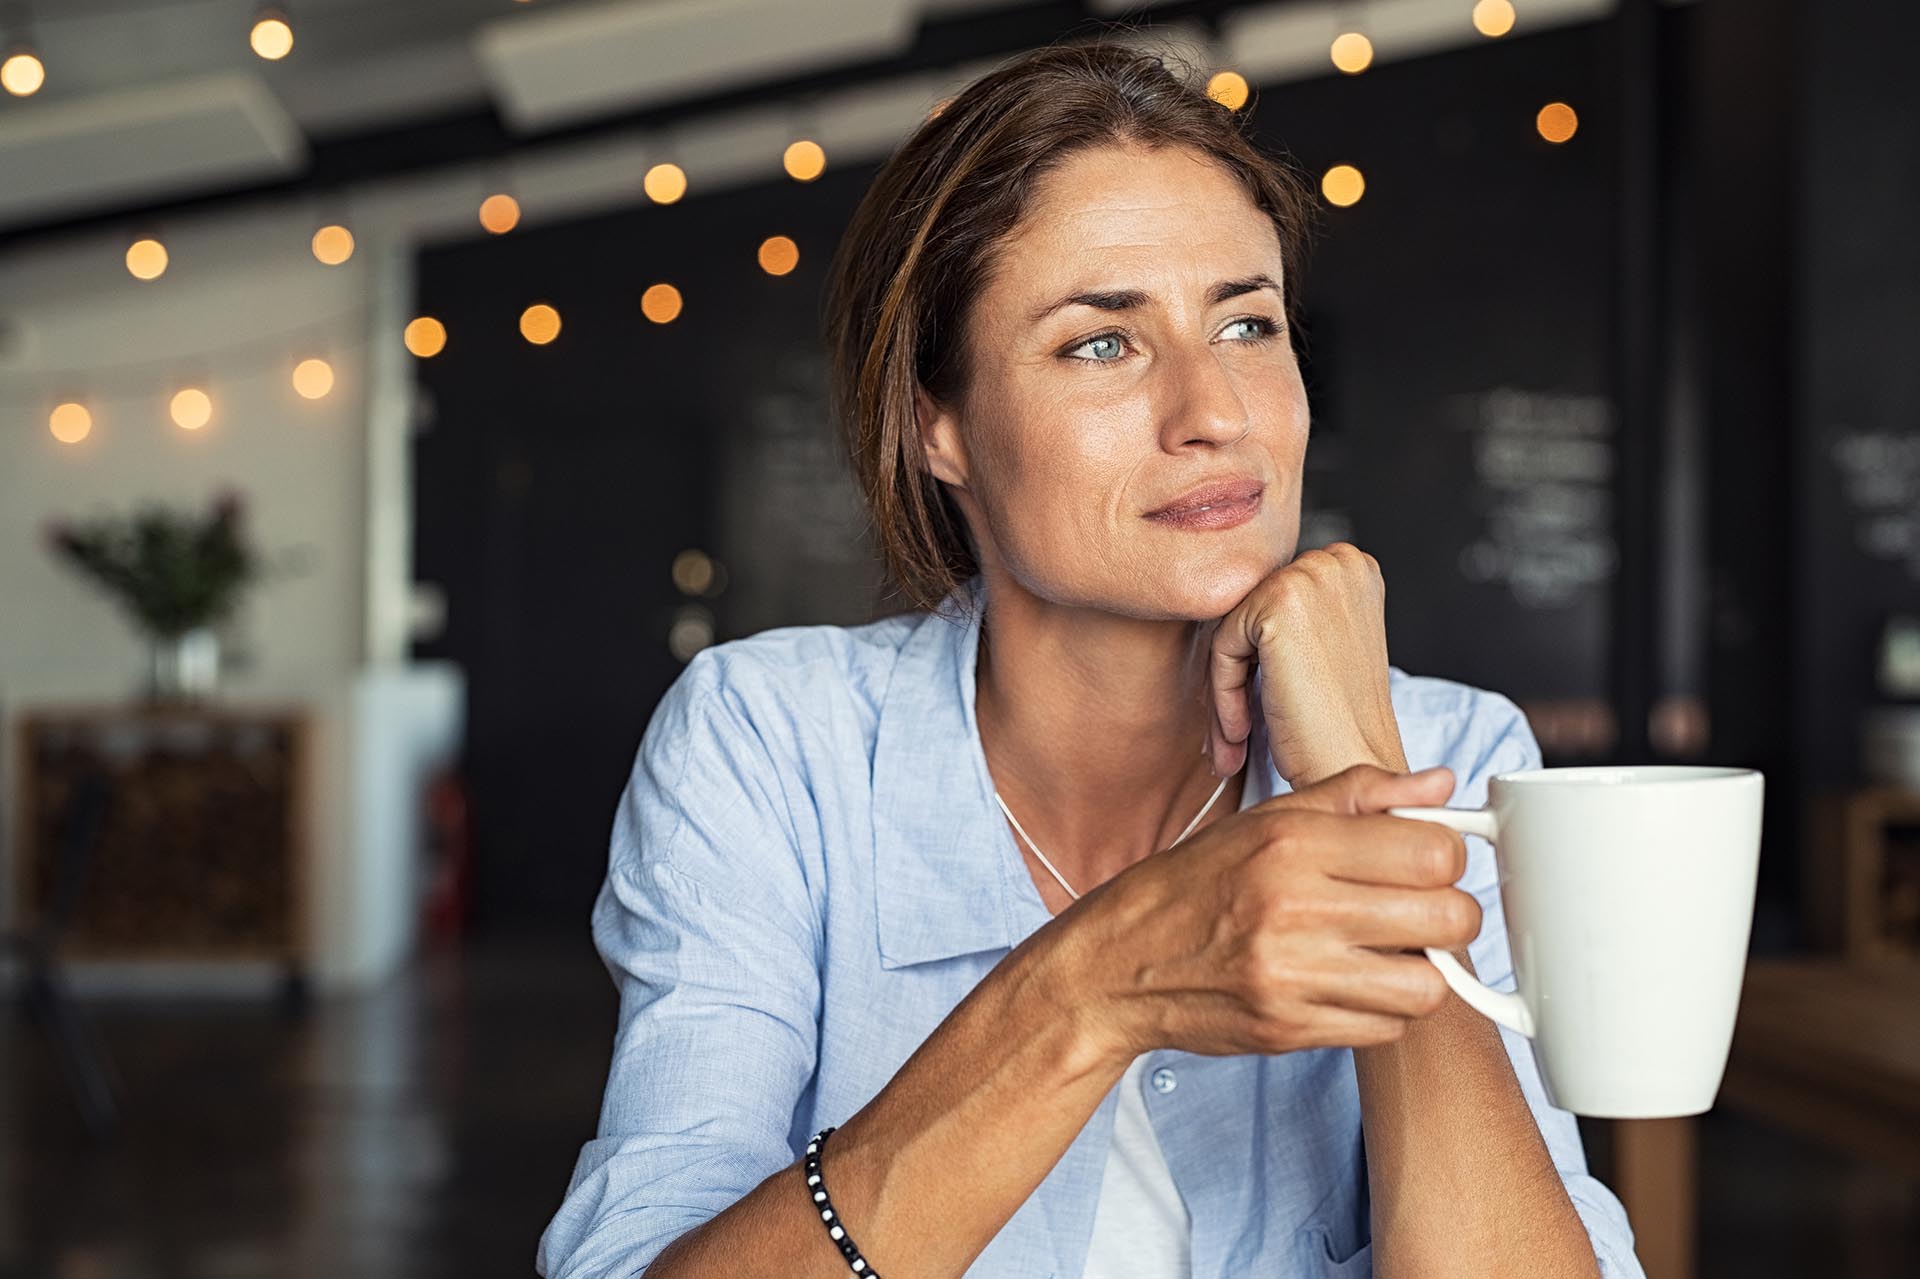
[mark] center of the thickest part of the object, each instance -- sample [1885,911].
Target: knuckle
[1445,856]
[1458,915]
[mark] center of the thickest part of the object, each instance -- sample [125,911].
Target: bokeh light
[804,160]
[500,213]
[1493,17]
[313,378]
[1352,52]
[660,303]
[1229,89]
[70,422]
[1342,185]
[333,244]
[665,183]
[22,74]
[191,409]
[425,336]
[1556,122]
[778,255]
[146,259]
[271,37]
[540,324]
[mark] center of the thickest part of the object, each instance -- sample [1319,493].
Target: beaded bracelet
[835,1230]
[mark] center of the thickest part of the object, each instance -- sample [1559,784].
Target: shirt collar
[945,868]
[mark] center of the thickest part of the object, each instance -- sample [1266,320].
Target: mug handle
[1498,1006]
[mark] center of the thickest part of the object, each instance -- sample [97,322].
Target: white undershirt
[1140,1228]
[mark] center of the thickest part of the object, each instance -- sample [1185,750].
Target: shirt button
[1163,1080]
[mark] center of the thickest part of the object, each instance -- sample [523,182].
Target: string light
[425,336]
[332,244]
[540,324]
[272,34]
[1352,52]
[1556,122]
[313,378]
[191,408]
[1229,89]
[70,422]
[146,259]
[22,73]
[804,160]
[500,213]
[1342,185]
[778,255]
[660,303]
[1493,18]
[665,183]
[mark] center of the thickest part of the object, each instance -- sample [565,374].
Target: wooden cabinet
[201,852]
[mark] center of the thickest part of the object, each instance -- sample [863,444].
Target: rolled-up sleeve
[705,923]
[1510,747]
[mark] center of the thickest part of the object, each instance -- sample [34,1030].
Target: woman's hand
[1275,928]
[1317,628]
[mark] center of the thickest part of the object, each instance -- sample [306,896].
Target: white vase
[183,667]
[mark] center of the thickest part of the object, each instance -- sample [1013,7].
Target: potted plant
[177,573]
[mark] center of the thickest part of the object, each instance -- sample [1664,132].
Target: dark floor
[429,1130]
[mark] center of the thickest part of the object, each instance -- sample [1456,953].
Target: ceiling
[154,102]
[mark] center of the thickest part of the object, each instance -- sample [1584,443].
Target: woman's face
[1129,346]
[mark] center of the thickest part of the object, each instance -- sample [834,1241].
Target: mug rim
[1646,776]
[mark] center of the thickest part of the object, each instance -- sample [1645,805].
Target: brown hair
[920,246]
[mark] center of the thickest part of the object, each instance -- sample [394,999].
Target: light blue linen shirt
[808,872]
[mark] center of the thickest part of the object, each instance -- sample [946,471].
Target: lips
[1232,492]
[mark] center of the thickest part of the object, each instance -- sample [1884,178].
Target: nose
[1203,403]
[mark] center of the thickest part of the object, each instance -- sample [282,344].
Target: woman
[842,890]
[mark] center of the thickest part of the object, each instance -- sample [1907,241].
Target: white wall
[299,463]
[242,300]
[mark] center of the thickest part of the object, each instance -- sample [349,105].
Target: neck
[1092,725]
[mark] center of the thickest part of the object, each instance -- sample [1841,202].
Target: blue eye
[1105,349]
[1262,327]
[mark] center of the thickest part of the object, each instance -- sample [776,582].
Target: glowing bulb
[146,259]
[333,244]
[500,213]
[804,160]
[272,35]
[666,183]
[70,422]
[1342,185]
[1352,52]
[539,324]
[1229,89]
[660,303]
[425,336]
[192,409]
[313,378]
[22,74]
[1556,122]
[778,255]
[1493,17]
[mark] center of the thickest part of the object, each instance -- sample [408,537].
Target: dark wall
[1857,328]
[1457,329]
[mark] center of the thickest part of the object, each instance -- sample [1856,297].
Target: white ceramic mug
[1628,893]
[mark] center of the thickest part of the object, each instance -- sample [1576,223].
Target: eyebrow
[1128,299]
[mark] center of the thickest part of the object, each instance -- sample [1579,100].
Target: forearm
[928,1171]
[1460,1178]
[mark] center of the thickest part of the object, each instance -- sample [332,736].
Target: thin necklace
[1049,865]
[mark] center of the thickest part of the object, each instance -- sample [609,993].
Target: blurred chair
[45,987]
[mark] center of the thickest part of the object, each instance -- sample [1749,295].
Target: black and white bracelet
[835,1231]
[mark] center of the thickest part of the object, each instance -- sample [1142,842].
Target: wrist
[1059,975]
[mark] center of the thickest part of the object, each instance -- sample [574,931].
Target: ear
[945,453]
